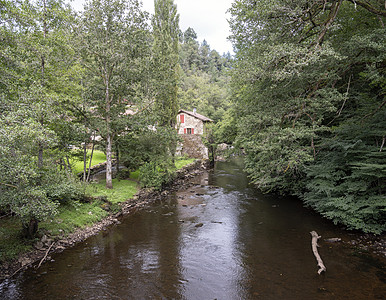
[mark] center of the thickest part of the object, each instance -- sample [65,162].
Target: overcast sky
[207,17]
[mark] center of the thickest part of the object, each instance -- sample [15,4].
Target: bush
[64,188]
[155,174]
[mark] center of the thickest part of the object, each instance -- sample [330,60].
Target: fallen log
[314,243]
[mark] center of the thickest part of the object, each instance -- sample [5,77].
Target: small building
[191,122]
[191,127]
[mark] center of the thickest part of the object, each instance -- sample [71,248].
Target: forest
[111,78]
[303,99]
[308,87]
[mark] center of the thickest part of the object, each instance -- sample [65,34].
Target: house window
[189,130]
[182,119]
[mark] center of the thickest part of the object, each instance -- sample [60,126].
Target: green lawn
[73,216]
[98,157]
[122,190]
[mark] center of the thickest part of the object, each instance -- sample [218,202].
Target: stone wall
[193,146]
[190,122]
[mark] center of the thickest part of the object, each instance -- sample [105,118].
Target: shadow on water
[218,239]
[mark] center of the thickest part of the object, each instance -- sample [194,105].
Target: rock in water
[333,240]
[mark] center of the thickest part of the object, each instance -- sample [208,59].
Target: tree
[204,78]
[166,60]
[305,73]
[37,67]
[113,42]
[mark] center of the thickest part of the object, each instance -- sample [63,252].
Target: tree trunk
[92,153]
[109,178]
[109,142]
[84,161]
[31,228]
[68,163]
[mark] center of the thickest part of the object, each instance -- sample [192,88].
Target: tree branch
[10,185]
[383,143]
[346,96]
[314,244]
[367,6]
[331,17]
[45,255]
[372,113]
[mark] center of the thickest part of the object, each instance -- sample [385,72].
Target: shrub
[155,174]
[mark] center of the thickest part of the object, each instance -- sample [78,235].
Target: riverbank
[50,244]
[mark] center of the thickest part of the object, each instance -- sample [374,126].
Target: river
[217,239]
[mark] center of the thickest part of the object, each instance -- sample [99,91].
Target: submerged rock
[333,240]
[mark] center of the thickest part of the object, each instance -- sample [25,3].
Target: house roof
[196,115]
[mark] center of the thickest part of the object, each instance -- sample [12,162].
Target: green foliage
[156,173]
[347,183]
[134,175]
[64,187]
[114,45]
[302,83]
[165,59]
[137,146]
[11,241]
[40,80]
[204,78]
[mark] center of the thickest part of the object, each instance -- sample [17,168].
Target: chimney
[194,111]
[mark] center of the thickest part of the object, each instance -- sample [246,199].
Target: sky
[208,18]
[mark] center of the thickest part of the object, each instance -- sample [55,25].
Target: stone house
[191,127]
[191,122]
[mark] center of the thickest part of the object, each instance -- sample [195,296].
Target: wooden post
[314,243]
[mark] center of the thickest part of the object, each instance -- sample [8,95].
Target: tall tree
[306,73]
[37,65]
[166,60]
[113,41]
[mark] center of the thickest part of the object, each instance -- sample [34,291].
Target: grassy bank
[74,215]
[97,157]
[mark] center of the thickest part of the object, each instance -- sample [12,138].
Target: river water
[218,239]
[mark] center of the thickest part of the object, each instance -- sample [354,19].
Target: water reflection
[219,239]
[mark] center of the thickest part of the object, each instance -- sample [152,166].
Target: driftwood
[45,256]
[314,243]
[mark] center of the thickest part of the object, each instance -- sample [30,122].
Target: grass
[122,191]
[135,175]
[182,162]
[74,215]
[11,242]
[97,157]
